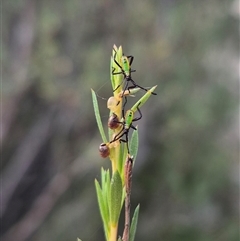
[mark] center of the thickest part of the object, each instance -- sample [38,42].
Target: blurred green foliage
[186,172]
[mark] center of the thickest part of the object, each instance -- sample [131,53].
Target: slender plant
[114,187]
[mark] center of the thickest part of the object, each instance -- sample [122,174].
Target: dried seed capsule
[104,150]
[113,121]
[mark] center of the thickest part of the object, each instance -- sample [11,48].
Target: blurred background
[186,176]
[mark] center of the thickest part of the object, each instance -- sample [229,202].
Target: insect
[113,101]
[127,73]
[127,125]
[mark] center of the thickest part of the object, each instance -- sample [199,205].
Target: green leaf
[113,64]
[144,98]
[133,227]
[106,191]
[103,208]
[121,159]
[78,239]
[116,79]
[111,67]
[123,196]
[103,177]
[98,117]
[115,198]
[133,145]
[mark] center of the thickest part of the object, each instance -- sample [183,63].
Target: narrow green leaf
[111,68]
[115,197]
[123,196]
[103,208]
[104,186]
[98,117]
[133,145]
[133,227]
[116,79]
[121,159]
[107,191]
[103,177]
[113,65]
[101,203]
[144,98]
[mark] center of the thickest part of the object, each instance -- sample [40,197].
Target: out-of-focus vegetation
[186,173]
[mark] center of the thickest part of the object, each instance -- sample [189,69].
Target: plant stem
[113,232]
[128,184]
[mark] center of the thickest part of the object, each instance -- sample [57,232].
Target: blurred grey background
[186,177]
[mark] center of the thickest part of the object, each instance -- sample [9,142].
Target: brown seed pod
[113,121]
[104,150]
